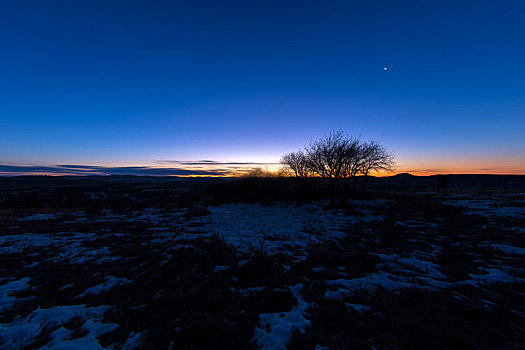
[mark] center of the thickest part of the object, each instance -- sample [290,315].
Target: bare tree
[352,162]
[336,158]
[374,157]
[298,163]
[327,158]
[327,155]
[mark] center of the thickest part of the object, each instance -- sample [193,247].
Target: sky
[218,85]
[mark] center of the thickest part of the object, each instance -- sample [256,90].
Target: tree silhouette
[339,159]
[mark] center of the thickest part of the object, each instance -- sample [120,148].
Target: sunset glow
[119,85]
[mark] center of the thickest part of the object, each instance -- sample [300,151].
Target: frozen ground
[284,227]
[490,206]
[22,331]
[267,276]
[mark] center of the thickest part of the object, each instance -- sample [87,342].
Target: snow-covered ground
[109,283]
[488,207]
[21,331]
[415,253]
[274,330]
[509,249]
[283,227]
[280,227]
[71,245]
[9,288]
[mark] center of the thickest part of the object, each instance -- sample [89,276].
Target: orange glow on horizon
[429,166]
[496,166]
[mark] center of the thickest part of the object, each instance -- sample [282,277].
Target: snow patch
[36,217]
[275,330]
[487,207]
[247,291]
[509,249]
[21,331]
[370,282]
[493,275]
[107,285]
[6,289]
[134,341]
[358,307]
[220,268]
[282,227]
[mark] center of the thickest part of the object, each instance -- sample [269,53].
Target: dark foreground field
[149,263]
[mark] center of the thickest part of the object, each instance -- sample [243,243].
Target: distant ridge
[403,176]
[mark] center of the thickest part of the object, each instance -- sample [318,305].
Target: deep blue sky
[134,82]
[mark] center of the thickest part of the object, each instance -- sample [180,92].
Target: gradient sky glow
[133,83]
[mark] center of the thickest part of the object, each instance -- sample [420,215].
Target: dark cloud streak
[83,170]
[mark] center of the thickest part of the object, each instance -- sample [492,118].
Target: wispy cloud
[83,170]
[161,168]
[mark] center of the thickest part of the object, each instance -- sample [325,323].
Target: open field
[124,263]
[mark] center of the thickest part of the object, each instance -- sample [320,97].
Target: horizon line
[205,168]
